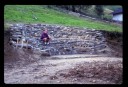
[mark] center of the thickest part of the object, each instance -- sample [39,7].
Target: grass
[40,14]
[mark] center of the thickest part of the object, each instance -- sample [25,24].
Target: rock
[54,77]
[65,40]
[58,81]
[12,42]
[93,81]
[18,33]
[81,49]
[67,49]
[64,36]
[74,79]
[45,54]
[16,36]
[104,50]
[23,46]
[13,39]
[89,75]
[100,46]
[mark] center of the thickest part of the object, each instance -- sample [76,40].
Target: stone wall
[64,40]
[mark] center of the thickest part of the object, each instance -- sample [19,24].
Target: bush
[107,17]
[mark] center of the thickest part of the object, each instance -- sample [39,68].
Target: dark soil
[115,42]
[13,56]
[10,55]
[105,71]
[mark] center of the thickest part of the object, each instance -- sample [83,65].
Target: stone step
[23,46]
[17,36]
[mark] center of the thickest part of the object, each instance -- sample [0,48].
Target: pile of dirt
[111,72]
[16,57]
[115,42]
[10,54]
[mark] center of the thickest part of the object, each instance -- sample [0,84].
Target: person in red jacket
[45,36]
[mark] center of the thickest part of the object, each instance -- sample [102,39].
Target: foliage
[99,10]
[113,7]
[41,14]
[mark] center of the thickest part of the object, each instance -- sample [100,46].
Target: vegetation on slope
[41,14]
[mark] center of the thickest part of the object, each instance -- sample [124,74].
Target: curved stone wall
[64,40]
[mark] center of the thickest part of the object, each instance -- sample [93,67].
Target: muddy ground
[23,67]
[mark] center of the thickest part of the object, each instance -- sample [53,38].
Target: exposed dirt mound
[115,42]
[106,71]
[18,57]
[10,55]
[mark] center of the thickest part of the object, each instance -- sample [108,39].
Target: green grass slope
[40,14]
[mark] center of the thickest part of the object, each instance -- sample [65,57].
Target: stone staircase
[64,40]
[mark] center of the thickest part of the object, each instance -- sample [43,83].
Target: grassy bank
[40,14]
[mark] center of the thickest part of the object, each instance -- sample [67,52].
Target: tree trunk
[73,8]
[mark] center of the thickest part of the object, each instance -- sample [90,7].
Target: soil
[115,42]
[23,67]
[79,70]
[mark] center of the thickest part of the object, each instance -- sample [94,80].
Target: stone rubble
[64,40]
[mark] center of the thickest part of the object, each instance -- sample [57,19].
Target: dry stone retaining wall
[65,40]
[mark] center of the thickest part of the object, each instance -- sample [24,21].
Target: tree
[79,8]
[67,7]
[73,8]
[86,7]
[99,10]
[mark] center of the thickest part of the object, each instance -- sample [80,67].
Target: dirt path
[51,70]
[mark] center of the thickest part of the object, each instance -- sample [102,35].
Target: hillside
[40,14]
[26,66]
[80,50]
[111,7]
